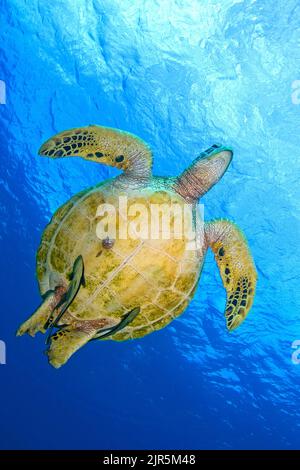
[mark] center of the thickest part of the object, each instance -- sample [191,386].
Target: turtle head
[103,145]
[204,172]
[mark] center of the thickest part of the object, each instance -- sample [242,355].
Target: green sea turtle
[125,287]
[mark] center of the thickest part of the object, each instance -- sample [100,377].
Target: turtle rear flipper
[236,267]
[66,342]
[39,318]
[69,339]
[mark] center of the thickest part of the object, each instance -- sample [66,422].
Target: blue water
[181,74]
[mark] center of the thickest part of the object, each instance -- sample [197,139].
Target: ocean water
[181,74]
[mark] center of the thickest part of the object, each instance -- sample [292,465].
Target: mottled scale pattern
[236,267]
[240,300]
[101,144]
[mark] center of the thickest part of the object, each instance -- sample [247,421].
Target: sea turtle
[121,287]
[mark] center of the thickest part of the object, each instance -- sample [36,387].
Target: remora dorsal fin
[76,281]
[128,318]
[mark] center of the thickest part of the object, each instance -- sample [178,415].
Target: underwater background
[182,75]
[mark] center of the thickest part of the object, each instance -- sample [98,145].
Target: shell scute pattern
[161,272]
[169,299]
[123,276]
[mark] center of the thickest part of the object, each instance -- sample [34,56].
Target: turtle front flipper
[236,267]
[103,145]
[39,318]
